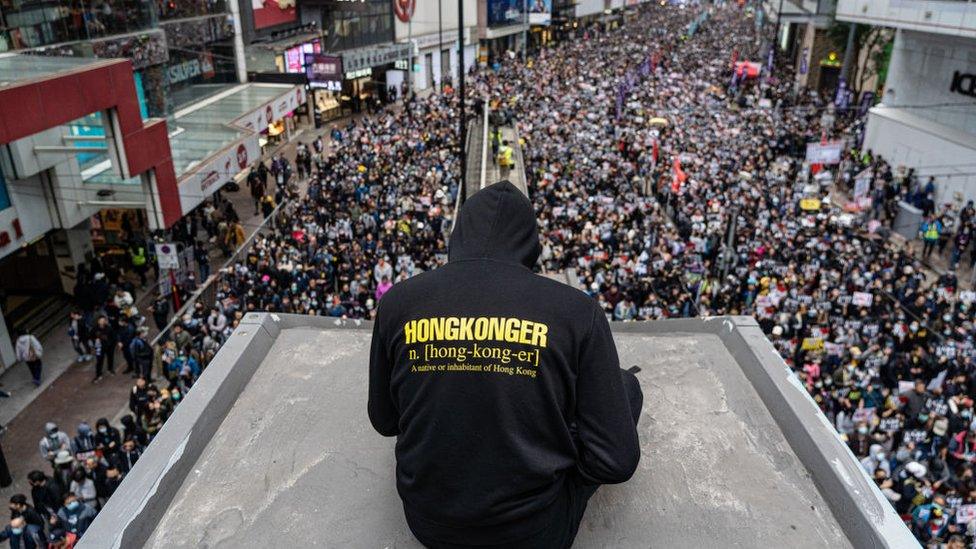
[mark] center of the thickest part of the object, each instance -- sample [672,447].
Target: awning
[216,139]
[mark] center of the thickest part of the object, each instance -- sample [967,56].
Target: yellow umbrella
[658,121]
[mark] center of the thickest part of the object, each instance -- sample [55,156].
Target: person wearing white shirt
[29,350]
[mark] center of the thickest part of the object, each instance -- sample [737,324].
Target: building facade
[927,115]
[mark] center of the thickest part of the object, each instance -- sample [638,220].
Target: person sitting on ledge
[502,387]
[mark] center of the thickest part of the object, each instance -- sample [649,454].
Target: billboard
[324,71]
[268,13]
[540,12]
[504,12]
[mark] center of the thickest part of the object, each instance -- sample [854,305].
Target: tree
[869,41]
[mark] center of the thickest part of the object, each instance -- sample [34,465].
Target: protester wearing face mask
[53,441]
[20,508]
[75,516]
[22,535]
[107,438]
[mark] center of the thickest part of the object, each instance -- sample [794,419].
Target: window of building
[355,25]
[33,24]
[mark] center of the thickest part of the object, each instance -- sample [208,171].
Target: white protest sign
[966,513]
[824,153]
[862,299]
[167,256]
[862,184]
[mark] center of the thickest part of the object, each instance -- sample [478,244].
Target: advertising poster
[324,71]
[268,13]
[540,12]
[504,12]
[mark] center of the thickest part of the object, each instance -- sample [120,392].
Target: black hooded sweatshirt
[479,368]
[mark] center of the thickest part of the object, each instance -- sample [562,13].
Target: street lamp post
[440,47]
[461,119]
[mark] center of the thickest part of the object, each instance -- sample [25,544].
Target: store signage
[366,58]
[191,69]
[404,9]
[324,71]
[963,84]
[361,73]
[18,233]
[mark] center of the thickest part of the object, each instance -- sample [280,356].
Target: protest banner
[812,344]
[810,204]
[862,299]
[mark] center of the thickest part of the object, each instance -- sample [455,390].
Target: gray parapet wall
[272,447]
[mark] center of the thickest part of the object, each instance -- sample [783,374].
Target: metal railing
[485,145]
[207,292]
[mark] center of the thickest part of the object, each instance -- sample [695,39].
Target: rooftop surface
[298,439]
[273,446]
[206,128]
[17,68]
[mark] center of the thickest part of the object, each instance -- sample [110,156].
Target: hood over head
[497,222]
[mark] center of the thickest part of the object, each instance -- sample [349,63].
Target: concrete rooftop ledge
[273,446]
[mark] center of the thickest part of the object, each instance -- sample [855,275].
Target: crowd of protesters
[672,185]
[713,211]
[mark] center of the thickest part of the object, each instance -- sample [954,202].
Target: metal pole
[729,254]
[461,120]
[239,59]
[440,47]
[410,57]
[848,52]
[525,31]
[775,43]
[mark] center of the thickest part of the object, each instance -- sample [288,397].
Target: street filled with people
[672,185]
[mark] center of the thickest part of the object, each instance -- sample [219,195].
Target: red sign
[241,156]
[404,9]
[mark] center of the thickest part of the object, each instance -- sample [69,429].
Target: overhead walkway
[272,447]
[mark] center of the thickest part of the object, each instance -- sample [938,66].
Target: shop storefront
[324,73]
[507,21]
[369,73]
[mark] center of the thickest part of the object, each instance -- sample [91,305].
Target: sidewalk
[66,395]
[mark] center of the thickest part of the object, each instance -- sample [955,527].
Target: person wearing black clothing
[142,354]
[126,333]
[105,342]
[132,431]
[107,438]
[139,397]
[160,312]
[202,256]
[45,494]
[20,508]
[502,387]
[127,458]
